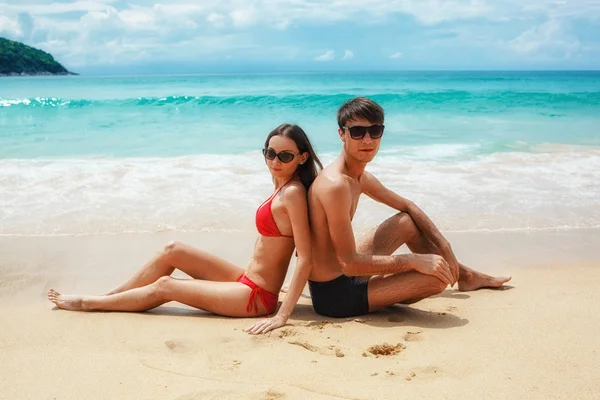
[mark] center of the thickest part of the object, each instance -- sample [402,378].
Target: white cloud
[244,13]
[244,17]
[9,27]
[435,11]
[327,56]
[216,19]
[54,8]
[88,31]
[548,39]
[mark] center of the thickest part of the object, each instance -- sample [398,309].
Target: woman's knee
[173,249]
[162,287]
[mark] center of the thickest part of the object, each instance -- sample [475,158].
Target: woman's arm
[295,203]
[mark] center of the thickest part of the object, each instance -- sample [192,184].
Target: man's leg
[411,286]
[468,279]
[407,287]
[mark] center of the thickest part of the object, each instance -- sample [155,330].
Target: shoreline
[42,73]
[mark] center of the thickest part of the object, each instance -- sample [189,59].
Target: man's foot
[66,302]
[476,280]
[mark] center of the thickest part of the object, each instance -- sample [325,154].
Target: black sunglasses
[359,132]
[284,156]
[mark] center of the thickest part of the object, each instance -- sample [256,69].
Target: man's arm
[336,199]
[375,190]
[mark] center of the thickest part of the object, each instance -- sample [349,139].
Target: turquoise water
[109,154]
[184,115]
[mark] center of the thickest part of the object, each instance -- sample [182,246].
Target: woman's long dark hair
[308,171]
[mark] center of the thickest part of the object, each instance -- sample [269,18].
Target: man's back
[326,265]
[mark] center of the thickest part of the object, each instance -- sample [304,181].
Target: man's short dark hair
[360,108]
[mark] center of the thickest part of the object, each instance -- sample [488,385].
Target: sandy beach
[537,339]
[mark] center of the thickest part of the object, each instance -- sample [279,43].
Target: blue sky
[308,35]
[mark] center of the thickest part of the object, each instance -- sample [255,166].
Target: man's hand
[432,264]
[266,325]
[455,271]
[448,254]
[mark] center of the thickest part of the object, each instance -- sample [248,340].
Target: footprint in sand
[230,365]
[320,325]
[287,332]
[271,395]
[413,336]
[306,345]
[177,346]
[330,351]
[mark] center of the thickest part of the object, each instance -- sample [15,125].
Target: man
[350,279]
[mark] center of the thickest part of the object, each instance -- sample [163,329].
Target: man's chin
[366,157]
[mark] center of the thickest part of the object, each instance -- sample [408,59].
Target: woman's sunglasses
[359,132]
[284,156]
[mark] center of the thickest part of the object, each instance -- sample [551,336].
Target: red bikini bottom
[268,299]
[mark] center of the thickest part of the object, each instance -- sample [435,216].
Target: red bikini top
[265,223]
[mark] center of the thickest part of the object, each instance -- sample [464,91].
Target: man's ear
[342,136]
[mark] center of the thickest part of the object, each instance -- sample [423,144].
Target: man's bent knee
[440,286]
[432,285]
[407,225]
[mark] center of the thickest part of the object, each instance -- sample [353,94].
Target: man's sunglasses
[359,132]
[284,156]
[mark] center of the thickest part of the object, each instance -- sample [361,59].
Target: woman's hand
[266,325]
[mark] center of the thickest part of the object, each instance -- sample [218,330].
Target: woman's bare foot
[66,302]
[474,280]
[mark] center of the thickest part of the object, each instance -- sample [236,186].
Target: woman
[219,286]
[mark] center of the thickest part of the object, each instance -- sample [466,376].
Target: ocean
[478,151]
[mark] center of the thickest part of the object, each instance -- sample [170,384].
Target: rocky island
[19,59]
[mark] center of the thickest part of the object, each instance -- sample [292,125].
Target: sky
[308,35]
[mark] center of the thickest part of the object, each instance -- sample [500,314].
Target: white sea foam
[545,190]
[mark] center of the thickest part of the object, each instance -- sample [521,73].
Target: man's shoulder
[367,179]
[330,181]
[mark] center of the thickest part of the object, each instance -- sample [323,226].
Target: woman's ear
[303,157]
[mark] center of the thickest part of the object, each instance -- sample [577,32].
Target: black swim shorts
[341,297]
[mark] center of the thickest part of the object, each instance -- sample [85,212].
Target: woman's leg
[196,263]
[223,298]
